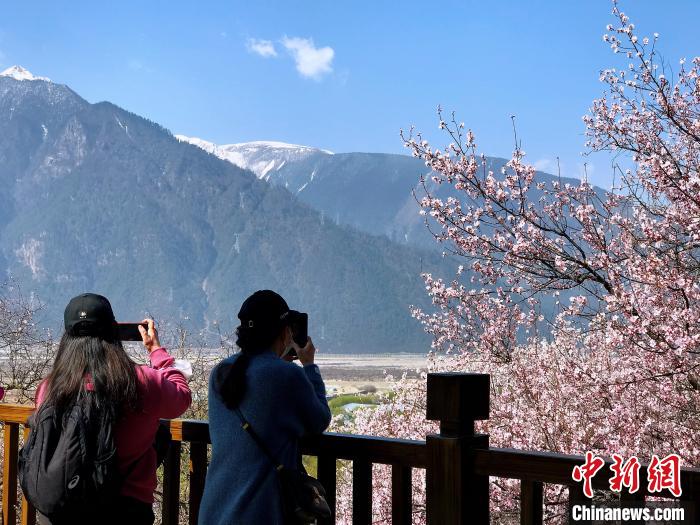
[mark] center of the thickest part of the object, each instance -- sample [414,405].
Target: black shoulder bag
[303,497]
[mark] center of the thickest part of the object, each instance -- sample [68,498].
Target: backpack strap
[245,425]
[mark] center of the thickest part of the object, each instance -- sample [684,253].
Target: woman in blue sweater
[280,400]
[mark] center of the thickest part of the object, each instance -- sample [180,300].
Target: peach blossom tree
[582,304]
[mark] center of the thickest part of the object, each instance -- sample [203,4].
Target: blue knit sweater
[282,402]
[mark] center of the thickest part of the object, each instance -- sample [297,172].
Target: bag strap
[245,425]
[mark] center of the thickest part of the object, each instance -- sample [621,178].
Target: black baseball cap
[89,314]
[264,309]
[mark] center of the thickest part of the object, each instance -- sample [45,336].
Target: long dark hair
[229,379]
[105,363]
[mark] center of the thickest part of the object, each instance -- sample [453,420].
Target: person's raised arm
[310,393]
[168,389]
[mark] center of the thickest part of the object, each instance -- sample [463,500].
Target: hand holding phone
[149,334]
[307,352]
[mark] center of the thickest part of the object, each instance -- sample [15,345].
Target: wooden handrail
[12,413]
[388,451]
[555,468]
[190,430]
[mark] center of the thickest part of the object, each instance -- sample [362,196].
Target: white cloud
[311,61]
[264,48]
[571,169]
[546,165]
[137,65]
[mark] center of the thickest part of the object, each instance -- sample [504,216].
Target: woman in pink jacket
[91,358]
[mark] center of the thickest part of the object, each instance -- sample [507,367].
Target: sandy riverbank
[355,373]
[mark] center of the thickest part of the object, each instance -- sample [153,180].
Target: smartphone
[300,328]
[299,324]
[130,331]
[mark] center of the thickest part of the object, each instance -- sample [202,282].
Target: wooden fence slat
[171,485]
[633,500]
[361,492]
[531,501]
[198,474]
[401,495]
[28,511]
[9,473]
[326,472]
[637,497]
[576,497]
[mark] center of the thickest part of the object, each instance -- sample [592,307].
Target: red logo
[663,474]
[586,472]
[625,474]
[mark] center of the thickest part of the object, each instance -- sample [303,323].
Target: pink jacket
[164,394]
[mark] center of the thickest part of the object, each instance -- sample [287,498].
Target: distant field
[342,373]
[355,373]
[345,373]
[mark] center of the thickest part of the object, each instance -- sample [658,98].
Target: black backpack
[68,466]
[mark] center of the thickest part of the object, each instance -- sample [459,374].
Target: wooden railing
[13,417]
[457,460]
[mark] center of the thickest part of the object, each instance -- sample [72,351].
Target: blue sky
[345,76]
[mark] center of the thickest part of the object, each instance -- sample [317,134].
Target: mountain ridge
[375,193]
[97,198]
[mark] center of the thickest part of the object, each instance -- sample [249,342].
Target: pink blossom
[612,367]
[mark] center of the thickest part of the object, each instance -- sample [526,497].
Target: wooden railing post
[28,512]
[171,485]
[327,472]
[198,474]
[9,473]
[455,493]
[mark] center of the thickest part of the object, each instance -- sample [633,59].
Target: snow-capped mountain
[337,184]
[109,183]
[373,192]
[20,73]
[264,158]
